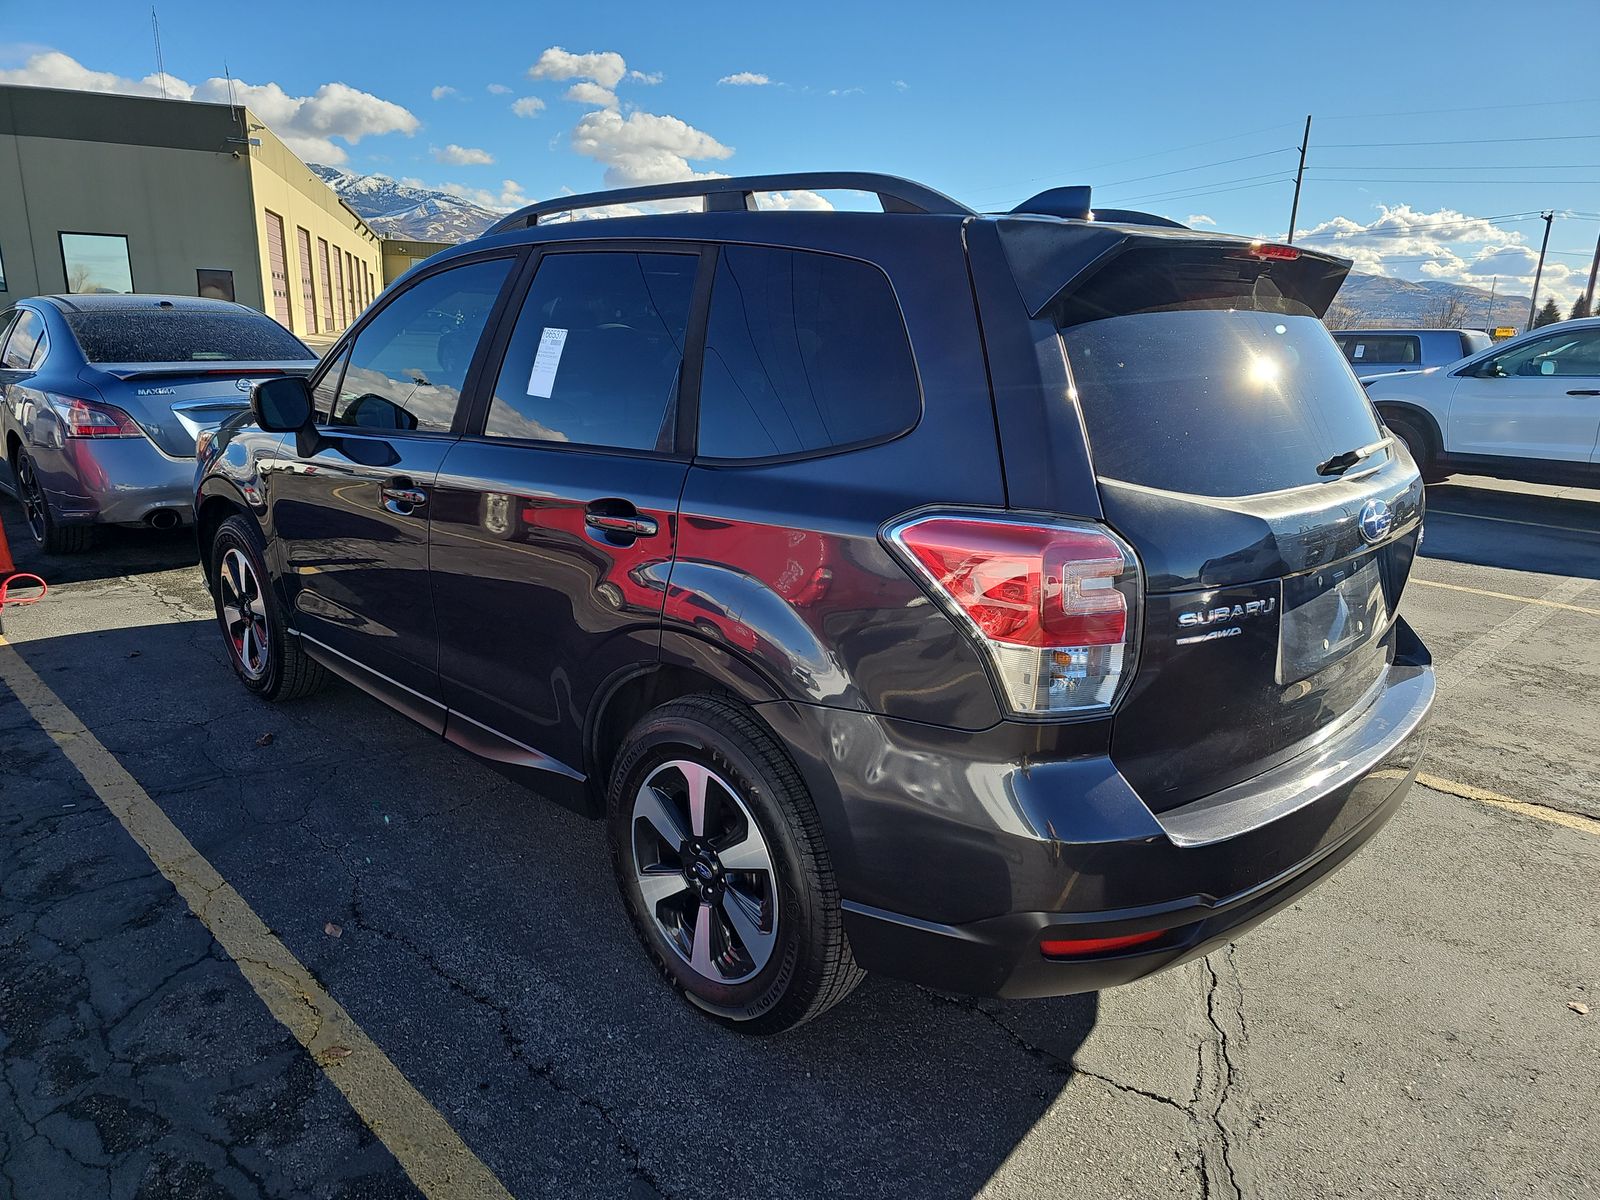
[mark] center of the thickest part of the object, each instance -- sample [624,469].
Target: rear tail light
[1273,251]
[1054,605]
[92,419]
[1082,947]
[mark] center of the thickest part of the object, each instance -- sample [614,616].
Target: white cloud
[528,106]
[1199,219]
[745,79]
[591,94]
[462,156]
[796,201]
[498,89]
[605,67]
[644,148]
[849,91]
[1445,244]
[901,85]
[443,90]
[307,124]
[648,78]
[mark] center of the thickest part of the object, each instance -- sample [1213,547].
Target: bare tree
[1452,310]
[1342,315]
[78,278]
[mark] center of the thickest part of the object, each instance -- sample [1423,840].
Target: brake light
[1271,250]
[89,419]
[1053,605]
[1079,947]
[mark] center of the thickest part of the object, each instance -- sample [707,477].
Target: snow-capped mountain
[400,210]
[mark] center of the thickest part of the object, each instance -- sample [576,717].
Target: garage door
[277,263]
[308,286]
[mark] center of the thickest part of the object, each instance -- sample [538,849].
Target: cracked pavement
[1402,1030]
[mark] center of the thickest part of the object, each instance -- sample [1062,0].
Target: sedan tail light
[1053,604]
[93,419]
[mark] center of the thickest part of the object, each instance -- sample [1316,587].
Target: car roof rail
[738,195]
[1073,204]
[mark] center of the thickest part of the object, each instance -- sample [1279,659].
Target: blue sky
[1184,109]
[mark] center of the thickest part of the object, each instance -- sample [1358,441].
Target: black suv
[1003,602]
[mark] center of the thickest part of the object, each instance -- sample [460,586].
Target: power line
[1555,137]
[1406,231]
[1186,170]
[1209,189]
[1460,182]
[1459,167]
[1426,112]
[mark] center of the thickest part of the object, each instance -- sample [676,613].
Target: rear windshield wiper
[1340,463]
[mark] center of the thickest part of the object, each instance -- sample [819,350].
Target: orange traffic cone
[9,576]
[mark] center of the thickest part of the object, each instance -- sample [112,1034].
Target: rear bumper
[114,481]
[956,884]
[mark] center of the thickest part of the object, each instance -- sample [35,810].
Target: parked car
[1528,408]
[102,397]
[1381,351]
[776,540]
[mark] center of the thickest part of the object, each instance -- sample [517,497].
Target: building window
[213,283]
[96,262]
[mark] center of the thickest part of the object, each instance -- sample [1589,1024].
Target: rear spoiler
[290,366]
[1062,270]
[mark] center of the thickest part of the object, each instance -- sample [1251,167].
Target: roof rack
[738,195]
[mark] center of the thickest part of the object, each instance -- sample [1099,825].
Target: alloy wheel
[244,613]
[32,495]
[705,872]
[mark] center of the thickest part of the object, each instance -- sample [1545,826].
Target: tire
[48,534]
[265,658]
[792,964]
[1419,444]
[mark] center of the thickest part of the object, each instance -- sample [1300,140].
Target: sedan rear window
[1216,402]
[167,335]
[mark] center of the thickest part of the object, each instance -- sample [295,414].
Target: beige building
[400,255]
[104,193]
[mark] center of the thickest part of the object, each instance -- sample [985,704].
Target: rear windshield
[1380,348]
[1216,402]
[162,336]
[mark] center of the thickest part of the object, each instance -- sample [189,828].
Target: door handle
[635,525]
[401,498]
[1585,392]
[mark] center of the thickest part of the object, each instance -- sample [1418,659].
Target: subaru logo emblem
[1375,520]
[243,385]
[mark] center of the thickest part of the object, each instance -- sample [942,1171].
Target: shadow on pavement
[1513,530]
[116,551]
[480,942]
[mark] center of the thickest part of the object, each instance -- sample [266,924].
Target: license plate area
[1329,614]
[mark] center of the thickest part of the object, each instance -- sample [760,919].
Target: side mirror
[281,405]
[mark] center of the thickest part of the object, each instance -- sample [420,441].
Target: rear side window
[1215,402]
[804,352]
[23,344]
[162,335]
[595,356]
[1380,348]
[408,365]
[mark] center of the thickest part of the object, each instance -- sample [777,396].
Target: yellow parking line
[431,1152]
[1450,512]
[1540,812]
[1456,587]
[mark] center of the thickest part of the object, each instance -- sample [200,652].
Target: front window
[96,262]
[1576,352]
[409,363]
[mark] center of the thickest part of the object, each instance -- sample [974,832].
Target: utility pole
[1533,302]
[1299,177]
[1588,296]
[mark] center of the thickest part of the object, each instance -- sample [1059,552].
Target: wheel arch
[1416,415]
[216,503]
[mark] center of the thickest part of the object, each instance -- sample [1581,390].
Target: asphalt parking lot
[1410,1028]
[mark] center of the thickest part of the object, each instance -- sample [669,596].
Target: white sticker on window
[1361,349]
[542,380]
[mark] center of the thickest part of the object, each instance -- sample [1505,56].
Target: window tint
[595,356]
[24,341]
[152,335]
[408,365]
[803,352]
[1215,402]
[1379,348]
[1574,353]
